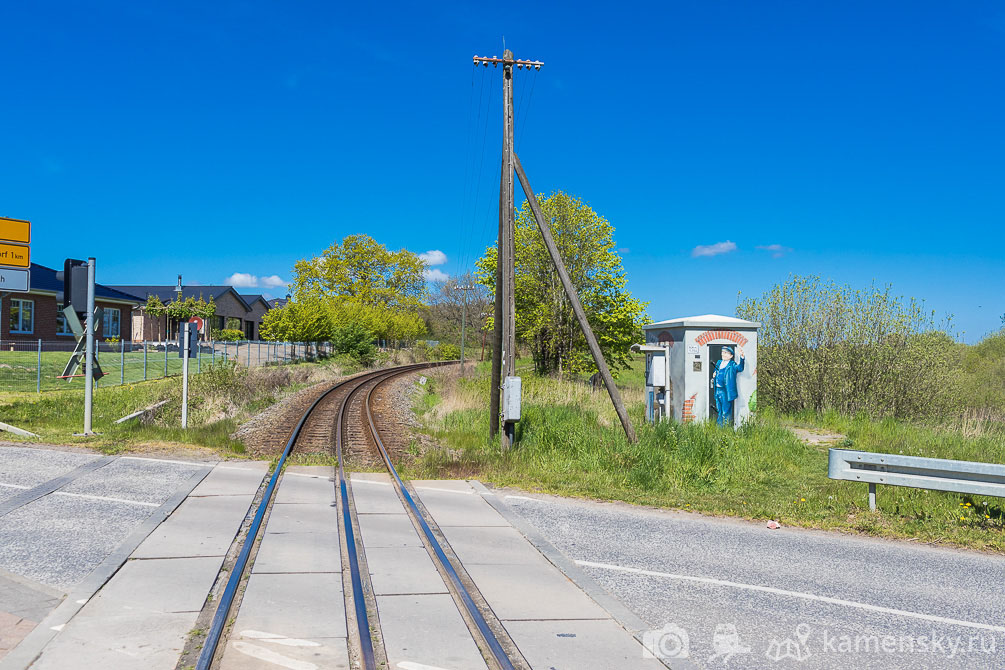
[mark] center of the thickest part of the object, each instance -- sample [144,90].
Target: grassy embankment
[221,398]
[570,443]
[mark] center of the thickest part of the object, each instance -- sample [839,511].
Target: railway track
[342,422]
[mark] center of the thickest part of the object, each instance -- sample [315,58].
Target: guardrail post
[122,362]
[38,369]
[872,497]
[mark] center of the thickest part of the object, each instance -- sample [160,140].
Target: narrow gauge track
[326,426]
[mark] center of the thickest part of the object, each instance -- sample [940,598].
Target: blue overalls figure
[725,384]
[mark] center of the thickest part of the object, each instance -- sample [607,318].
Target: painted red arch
[730,335]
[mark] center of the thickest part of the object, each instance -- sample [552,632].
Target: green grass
[570,443]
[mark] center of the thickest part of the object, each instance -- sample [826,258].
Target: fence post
[198,357]
[212,352]
[144,360]
[259,353]
[38,369]
[122,362]
[165,357]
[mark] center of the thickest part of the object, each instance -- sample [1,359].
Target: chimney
[178,287]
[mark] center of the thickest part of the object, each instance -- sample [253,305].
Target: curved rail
[498,653]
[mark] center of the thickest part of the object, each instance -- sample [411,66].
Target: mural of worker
[725,384]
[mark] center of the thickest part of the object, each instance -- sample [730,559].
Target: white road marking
[82,601]
[278,639]
[304,474]
[15,486]
[105,499]
[433,488]
[796,594]
[57,628]
[368,481]
[519,498]
[269,656]
[410,665]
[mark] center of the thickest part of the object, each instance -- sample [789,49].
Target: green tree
[298,321]
[362,270]
[545,321]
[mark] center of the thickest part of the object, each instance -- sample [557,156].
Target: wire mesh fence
[37,365]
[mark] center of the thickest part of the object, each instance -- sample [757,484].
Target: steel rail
[498,653]
[215,632]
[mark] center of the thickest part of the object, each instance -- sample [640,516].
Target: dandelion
[987,516]
[963,518]
[802,500]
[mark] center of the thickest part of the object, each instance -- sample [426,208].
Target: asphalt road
[733,594]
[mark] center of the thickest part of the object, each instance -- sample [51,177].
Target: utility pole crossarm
[577,306]
[485,60]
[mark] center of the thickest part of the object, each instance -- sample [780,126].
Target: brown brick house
[37,315]
[233,311]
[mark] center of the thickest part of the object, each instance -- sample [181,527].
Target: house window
[221,322]
[22,316]
[110,322]
[233,323]
[62,327]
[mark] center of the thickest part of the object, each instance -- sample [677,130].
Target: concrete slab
[199,527]
[302,518]
[141,480]
[387,530]
[298,487]
[299,552]
[131,641]
[157,585]
[250,650]
[28,467]
[426,631]
[373,495]
[299,606]
[403,570]
[516,592]
[24,598]
[451,508]
[232,479]
[579,645]
[455,485]
[492,545]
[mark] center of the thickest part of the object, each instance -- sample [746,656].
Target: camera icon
[671,641]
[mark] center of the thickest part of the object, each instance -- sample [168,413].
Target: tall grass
[570,442]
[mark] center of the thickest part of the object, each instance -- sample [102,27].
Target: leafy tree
[298,321]
[544,318]
[364,271]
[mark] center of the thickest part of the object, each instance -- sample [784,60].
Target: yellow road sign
[16,255]
[15,230]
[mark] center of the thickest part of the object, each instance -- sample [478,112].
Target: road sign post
[89,351]
[184,375]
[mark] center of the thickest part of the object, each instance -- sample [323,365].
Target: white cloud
[435,275]
[433,257]
[241,280]
[777,250]
[273,281]
[713,249]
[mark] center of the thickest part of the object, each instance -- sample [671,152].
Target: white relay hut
[684,383]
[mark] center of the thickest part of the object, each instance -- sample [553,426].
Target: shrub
[823,346]
[446,352]
[354,339]
[229,335]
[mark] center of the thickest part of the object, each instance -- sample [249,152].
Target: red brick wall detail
[688,413]
[730,335]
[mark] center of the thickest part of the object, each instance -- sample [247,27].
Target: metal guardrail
[937,474]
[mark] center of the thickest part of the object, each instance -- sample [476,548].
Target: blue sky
[861,141]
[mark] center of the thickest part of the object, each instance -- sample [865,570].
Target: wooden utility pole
[577,306]
[504,331]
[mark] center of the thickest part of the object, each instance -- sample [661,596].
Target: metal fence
[38,365]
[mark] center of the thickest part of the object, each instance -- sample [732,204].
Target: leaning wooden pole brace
[577,306]
[497,321]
